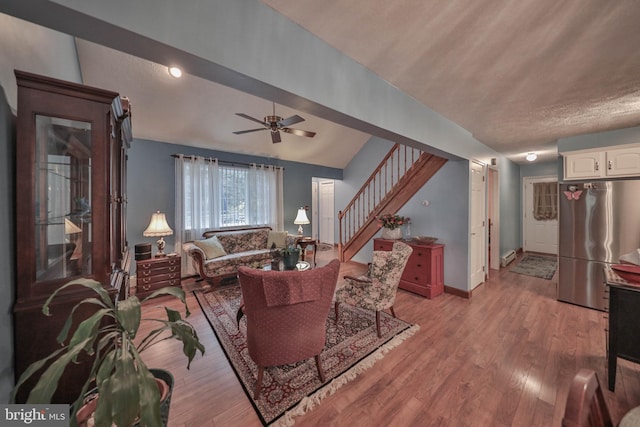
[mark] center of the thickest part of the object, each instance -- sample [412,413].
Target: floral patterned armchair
[376,290]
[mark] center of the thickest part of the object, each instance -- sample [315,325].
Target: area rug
[324,247]
[537,266]
[291,390]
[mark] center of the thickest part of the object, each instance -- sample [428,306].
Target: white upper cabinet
[623,162]
[599,163]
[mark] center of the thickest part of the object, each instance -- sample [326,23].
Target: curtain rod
[226,162]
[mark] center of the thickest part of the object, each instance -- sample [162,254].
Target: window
[213,196]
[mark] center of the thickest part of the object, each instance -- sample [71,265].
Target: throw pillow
[277,237]
[211,247]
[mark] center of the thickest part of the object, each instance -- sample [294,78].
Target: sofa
[219,254]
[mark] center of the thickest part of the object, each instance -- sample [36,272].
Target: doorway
[323,207]
[493,217]
[476,224]
[539,235]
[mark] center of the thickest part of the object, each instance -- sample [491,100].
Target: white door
[539,235]
[326,212]
[477,221]
[315,220]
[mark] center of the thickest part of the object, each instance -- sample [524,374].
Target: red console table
[424,272]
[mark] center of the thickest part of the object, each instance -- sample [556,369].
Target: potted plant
[290,256]
[118,372]
[391,224]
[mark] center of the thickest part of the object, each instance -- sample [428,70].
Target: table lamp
[301,218]
[158,227]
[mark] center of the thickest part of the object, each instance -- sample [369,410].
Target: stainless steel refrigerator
[599,221]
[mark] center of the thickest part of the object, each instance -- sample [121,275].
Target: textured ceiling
[518,75]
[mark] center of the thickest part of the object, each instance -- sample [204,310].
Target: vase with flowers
[391,225]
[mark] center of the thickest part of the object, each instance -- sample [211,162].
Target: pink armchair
[286,314]
[377,290]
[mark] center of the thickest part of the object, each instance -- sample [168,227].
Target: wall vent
[507,258]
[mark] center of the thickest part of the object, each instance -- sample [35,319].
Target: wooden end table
[308,241]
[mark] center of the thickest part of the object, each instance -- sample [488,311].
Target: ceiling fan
[276,124]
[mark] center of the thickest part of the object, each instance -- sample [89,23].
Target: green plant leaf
[129,313]
[172,315]
[87,283]
[88,329]
[106,367]
[124,389]
[190,343]
[171,290]
[32,369]
[149,398]
[103,416]
[48,382]
[62,336]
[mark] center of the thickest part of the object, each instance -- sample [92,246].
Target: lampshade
[70,227]
[158,226]
[301,218]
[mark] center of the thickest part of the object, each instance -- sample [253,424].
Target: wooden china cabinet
[71,148]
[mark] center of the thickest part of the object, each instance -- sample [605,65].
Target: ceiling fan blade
[299,132]
[251,118]
[290,121]
[240,132]
[275,137]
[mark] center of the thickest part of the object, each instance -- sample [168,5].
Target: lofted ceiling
[517,75]
[197,112]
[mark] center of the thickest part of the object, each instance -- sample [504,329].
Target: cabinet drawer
[382,245]
[152,264]
[415,274]
[158,278]
[156,271]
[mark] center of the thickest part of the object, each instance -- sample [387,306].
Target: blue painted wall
[7,246]
[600,139]
[446,217]
[510,196]
[151,184]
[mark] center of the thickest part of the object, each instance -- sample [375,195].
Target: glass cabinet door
[62,198]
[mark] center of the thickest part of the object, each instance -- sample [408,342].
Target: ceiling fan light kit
[276,124]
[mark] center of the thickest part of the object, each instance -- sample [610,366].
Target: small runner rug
[352,346]
[537,266]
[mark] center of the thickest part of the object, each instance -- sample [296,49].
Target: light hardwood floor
[504,357]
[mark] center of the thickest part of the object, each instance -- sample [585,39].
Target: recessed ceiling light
[531,157]
[175,72]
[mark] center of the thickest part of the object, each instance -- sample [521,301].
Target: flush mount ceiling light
[531,157]
[175,72]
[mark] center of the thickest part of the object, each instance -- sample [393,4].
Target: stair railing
[365,205]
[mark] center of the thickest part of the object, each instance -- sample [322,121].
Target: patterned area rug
[324,247]
[291,390]
[537,266]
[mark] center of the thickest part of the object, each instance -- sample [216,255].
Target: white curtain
[197,201]
[265,201]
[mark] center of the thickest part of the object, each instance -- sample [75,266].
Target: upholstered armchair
[286,314]
[377,289]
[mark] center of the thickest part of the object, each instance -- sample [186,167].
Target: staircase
[402,172]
